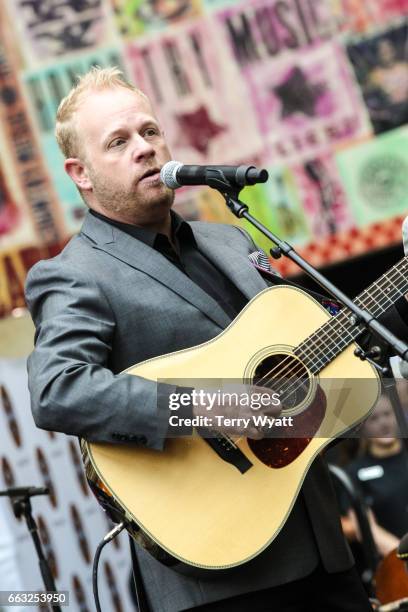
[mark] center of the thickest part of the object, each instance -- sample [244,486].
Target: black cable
[140,592]
[109,536]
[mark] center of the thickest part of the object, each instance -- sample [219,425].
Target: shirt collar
[180,229]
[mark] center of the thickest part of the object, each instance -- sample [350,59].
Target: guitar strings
[295,371]
[357,330]
[338,319]
[346,314]
[343,318]
[325,346]
[361,300]
[342,315]
[294,374]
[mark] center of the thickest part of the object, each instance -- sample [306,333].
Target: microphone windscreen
[168,174]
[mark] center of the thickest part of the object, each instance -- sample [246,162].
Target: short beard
[119,201]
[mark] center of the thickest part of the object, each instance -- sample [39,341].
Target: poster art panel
[281,202]
[363,16]
[134,17]
[27,177]
[381,67]
[44,90]
[322,195]
[212,5]
[375,177]
[51,28]
[349,22]
[16,224]
[261,30]
[276,204]
[387,9]
[10,212]
[306,103]
[15,264]
[198,95]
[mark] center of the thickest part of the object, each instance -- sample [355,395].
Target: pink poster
[322,195]
[10,213]
[361,16]
[198,93]
[306,102]
[262,30]
[391,8]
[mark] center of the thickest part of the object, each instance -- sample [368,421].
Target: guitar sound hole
[286,375]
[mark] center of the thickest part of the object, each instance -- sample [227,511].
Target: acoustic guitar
[218,503]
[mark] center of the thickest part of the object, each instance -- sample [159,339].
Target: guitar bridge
[225,449]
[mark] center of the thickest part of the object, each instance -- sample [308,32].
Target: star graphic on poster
[298,95]
[198,129]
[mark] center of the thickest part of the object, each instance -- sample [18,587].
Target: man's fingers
[254,433]
[272,410]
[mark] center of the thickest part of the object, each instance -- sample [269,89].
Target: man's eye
[151,131]
[116,142]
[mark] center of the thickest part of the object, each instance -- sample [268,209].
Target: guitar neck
[321,347]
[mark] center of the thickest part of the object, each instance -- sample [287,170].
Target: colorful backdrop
[316,91]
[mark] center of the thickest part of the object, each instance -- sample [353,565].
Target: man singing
[139,282]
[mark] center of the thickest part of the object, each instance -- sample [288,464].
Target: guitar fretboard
[321,347]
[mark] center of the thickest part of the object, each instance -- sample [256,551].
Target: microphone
[174,174]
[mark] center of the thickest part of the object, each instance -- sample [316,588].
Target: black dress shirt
[187,257]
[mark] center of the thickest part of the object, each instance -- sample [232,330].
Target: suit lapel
[138,255]
[232,262]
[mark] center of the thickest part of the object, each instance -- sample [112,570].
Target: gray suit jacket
[109,301]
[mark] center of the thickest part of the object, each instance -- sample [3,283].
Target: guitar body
[193,504]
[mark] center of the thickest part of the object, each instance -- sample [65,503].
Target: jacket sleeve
[72,389]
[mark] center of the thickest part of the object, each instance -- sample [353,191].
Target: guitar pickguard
[279,452]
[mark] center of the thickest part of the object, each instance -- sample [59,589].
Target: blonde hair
[95,79]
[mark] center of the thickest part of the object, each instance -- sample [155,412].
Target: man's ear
[79,174]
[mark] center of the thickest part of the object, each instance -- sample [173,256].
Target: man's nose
[142,148]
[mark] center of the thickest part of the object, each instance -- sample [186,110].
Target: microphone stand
[20,499]
[368,546]
[358,316]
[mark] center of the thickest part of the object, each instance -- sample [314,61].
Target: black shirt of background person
[189,260]
[386,491]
